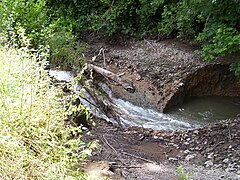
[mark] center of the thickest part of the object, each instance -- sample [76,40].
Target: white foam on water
[133,115]
[61,75]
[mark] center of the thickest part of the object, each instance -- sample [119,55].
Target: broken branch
[108,74]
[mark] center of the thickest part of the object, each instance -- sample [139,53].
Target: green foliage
[66,52]
[221,41]
[168,23]
[32,15]
[116,17]
[42,28]
[149,13]
[215,24]
[180,19]
[85,16]
[34,140]
[236,67]
[183,175]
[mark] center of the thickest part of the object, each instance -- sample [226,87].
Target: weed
[183,175]
[34,140]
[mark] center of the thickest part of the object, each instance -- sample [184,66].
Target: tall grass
[34,141]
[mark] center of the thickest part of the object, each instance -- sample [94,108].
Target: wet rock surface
[163,74]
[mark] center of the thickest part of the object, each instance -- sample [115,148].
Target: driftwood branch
[109,144]
[110,75]
[138,157]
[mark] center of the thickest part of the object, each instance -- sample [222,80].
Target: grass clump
[34,141]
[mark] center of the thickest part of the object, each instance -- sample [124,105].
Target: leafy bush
[34,140]
[42,28]
[66,52]
[215,24]
[32,15]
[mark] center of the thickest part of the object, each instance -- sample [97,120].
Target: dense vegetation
[36,142]
[215,24]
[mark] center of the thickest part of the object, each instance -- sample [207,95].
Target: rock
[186,151]
[189,157]
[210,156]
[195,131]
[229,169]
[226,160]
[172,159]
[208,163]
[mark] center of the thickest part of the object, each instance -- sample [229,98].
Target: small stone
[218,165]
[186,151]
[222,176]
[186,143]
[196,132]
[208,163]
[141,137]
[226,160]
[229,169]
[172,159]
[210,156]
[138,78]
[180,84]
[189,157]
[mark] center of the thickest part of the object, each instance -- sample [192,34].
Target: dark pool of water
[207,109]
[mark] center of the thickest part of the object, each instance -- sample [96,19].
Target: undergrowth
[34,140]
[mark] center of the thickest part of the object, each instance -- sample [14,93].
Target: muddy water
[194,113]
[207,109]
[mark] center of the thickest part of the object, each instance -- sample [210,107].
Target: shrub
[34,141]
[42,28]
[214,24]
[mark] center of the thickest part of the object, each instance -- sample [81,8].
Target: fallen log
[110,75]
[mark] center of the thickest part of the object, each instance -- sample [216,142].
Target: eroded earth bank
[163,74]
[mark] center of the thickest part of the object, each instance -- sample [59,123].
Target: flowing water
[61,75]
[194,113]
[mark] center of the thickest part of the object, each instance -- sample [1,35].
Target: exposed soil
[211,152]
[163,73]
